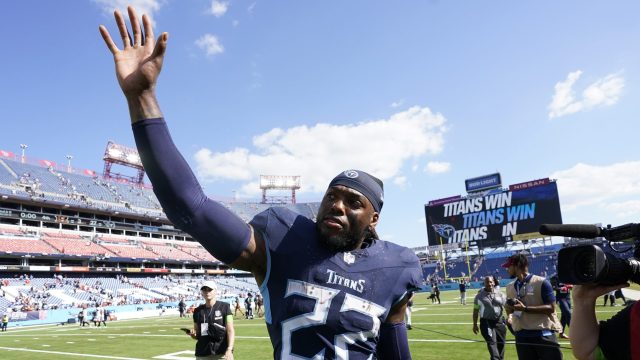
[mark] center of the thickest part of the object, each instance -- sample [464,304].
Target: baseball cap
[508,263]
[517,260]
[210,284]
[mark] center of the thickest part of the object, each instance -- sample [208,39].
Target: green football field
[440,332]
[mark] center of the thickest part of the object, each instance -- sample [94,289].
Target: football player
[331,288]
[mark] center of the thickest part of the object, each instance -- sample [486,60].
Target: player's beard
[340,242]
[347,241]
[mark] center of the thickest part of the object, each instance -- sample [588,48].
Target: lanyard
[208,315]
[520,286]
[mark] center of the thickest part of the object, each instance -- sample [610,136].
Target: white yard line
[70,354]
[133,335]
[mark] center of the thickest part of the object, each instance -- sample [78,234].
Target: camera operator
[609,339]
[532,313]
[596,272]
[213,326]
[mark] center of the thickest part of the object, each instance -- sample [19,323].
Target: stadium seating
[130,251]
[167,251]
[25,245]
[47,184]
[66,292]
[77,246]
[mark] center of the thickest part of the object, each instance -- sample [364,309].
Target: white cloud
[608,187]
[400,180]
[149,7]
[210,44]
[321,151]
[218,8]
[603,92]
[623,209]
[435,167]
[397,103]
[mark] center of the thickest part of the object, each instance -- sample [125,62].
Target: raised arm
[222,233]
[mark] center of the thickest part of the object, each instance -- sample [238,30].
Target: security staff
[213,326]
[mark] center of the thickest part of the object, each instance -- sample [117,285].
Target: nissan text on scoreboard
[494,218]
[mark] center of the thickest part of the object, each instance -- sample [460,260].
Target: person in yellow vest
[531,312]
[5,322]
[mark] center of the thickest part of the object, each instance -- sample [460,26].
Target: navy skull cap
[368,185]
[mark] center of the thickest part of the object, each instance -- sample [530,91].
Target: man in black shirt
[182,307]
[436,291]
[213,326]
[463,292]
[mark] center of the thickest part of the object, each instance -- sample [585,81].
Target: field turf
[439,332]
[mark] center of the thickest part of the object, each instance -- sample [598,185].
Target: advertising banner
[485,182]
[492,220]
[27,315]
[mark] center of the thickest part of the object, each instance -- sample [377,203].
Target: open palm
[138,65]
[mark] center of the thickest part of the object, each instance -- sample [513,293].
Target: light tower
[23,147]
[279,182]
[125,156]
[69,157]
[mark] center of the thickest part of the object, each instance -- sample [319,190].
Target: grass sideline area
[439,332]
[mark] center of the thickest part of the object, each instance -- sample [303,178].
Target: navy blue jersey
[320,304]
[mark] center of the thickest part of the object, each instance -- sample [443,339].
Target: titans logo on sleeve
[325,305]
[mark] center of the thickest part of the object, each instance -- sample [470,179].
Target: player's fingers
[161,46]
[122,27]
[135,26]
[149,38]
[107,40]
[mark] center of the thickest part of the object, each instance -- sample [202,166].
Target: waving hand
[138,64]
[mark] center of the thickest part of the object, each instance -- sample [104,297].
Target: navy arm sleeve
[221,232]
[393,343]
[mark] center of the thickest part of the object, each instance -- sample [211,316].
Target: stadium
[73,239]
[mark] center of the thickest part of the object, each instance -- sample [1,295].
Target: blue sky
[424,94]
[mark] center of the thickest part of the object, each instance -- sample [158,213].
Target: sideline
[20,328]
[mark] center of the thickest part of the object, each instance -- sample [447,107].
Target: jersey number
[323,297]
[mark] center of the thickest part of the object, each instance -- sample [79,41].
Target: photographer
[609,339]
[532,312]
[213,326]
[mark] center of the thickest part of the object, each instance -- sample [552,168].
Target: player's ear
[374,219]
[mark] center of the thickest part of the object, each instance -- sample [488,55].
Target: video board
[496,217]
